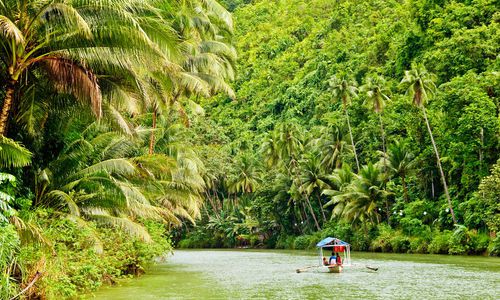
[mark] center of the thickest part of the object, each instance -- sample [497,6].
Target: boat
[338,246]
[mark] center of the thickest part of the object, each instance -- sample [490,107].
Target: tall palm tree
[343,90]
[401,162]
[377,93]
[421,87]
[207,59]
[290,140]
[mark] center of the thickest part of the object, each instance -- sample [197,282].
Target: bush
[360,241]
[302,242]
[383,242]
[479,243]
[285,242]
[81,256]
[400,243]
[440,243]
[419,245]
[494,247]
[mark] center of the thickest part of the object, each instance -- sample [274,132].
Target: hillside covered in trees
[131,127]
[330,131]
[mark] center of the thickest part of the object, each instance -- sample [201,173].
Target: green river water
[267,274]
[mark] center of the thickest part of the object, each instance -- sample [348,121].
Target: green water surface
[266,274]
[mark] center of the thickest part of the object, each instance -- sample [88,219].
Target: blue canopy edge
[330,241]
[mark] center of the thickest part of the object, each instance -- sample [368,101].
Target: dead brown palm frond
[10,31]
[75,79]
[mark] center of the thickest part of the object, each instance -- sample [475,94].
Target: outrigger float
[337,246]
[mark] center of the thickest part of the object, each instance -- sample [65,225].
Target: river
[270,274]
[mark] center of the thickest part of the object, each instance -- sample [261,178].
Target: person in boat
[325,262]
[338,260]
[333,257]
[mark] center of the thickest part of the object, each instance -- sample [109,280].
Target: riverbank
[270,274]
[381,238]
[65,257]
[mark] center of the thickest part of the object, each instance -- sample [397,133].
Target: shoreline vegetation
[128,128]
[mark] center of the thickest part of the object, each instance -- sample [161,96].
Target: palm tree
[377,94]
[61,40]
[420,88]
[290,142]
[270,148]
[344,89]
[207,59]
[364,195]
[339,181]
[100,177]
[312,179]
[401,162]
[246,177]
[332,145]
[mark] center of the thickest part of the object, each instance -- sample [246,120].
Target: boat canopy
[331,241]
[338,246]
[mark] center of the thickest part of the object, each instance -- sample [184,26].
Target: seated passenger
[338,260]
[333,257]
[325,262]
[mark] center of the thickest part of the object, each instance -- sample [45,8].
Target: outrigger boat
[337,246]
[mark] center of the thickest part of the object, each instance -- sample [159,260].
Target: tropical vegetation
[130,127]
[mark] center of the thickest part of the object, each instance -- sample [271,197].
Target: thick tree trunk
[152,137]
[352,139]
[440,167]
[7,106]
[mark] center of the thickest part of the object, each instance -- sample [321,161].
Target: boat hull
[335,269]
[330,269]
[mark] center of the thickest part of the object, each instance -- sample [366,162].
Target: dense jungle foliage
[341,110]
[131,126]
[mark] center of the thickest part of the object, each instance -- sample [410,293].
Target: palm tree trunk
[7,105]
[405,188]
[352,140]
[440,167]
[382,132]
[312,213]
[304,216]
[152,137]
[321,207]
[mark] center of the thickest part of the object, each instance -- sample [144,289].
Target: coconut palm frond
[133,229]
[118,165]
[64,199]
[13,154]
